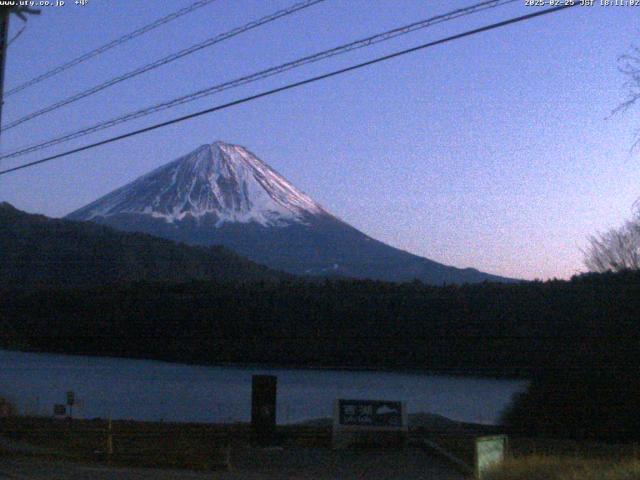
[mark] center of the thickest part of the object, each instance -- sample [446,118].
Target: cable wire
[165,60]
[109,46]
[294,85]
[365,42]
[17,35]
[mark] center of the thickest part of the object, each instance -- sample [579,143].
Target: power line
[294,85]
[165,60]
[15,37]
[365,42]
[110,45]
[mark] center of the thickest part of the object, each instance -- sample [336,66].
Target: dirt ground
[253,463]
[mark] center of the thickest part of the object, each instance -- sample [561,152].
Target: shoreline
[443,372]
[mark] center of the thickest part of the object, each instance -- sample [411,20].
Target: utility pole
[5,13]
[4,38]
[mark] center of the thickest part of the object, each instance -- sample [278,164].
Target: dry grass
[190,446]
[158,444]
[564,468]
[463,446]
[203,447]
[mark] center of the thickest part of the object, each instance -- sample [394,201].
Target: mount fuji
[222,194]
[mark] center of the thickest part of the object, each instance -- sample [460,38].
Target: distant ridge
[40,252]
[223,194]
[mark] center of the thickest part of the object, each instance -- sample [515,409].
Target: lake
[151,390]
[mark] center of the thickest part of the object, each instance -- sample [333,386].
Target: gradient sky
[494,151]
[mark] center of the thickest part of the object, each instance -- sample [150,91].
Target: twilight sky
[494,151]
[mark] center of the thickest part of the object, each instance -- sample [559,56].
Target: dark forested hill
[489,328]
[36,251]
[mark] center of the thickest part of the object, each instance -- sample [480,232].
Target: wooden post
[227,457]
[534,448]
[109,441]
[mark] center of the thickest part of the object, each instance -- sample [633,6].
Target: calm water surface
[150,390]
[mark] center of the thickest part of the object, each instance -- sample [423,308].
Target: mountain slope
[223,194]
[36,251]
[223,182]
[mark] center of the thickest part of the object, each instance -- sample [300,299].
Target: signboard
[369,422]
[490,451]
[370,413]
[59,410]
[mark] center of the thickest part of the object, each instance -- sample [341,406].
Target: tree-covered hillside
[490,328]
[36,251]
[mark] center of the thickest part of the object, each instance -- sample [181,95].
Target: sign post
[369,422]
[71,400]
[490,452]
[263,408]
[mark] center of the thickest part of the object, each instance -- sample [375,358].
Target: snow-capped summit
[222,194]
[224,181]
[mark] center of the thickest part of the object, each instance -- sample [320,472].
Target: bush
[596,404]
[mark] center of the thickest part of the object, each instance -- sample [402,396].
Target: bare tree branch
[615,250]
[629,66]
